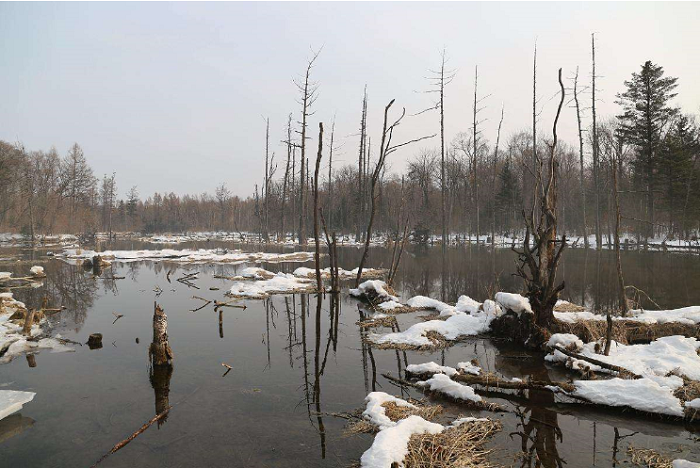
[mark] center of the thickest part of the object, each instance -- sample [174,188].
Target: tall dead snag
[584,225]
[538,262]
[317,245]
[439,80]
[494,177]
[596,153]
[285,183]
[385,149]
[159,352]
[266,185]
[622,298]
[329,192]
[361,169]
[308,90]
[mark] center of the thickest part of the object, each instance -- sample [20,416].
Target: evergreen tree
[646,111]
[677,156]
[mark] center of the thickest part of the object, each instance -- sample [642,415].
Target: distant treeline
[654,148]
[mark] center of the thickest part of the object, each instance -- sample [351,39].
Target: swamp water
[292,366]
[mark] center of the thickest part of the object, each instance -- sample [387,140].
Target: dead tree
[439,81]
[285,182]
[361,168]
[308,92]
[329,191]
[475,154]
[539,259]
[385,149]
[159,352]
[596,153]
[622,297]
[494,175]
[266,185]
[584,225]
[317,246]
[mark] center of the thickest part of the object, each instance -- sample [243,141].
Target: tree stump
[28,322]
[95,341]
[159,352]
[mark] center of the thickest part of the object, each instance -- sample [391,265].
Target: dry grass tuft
[591,330]
[396,412]
[380,322]
[437,341]
[648,458]
[569,307]
[461,446]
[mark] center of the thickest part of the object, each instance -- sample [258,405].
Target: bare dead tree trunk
[361,168]
[159,352]
[329,193]
[596,154]
[266,188]
[285,183]
[494,175]
[317,246]
[584,226]
[535,160]
[475,157]
[443,179]
[308,97]
[622,298]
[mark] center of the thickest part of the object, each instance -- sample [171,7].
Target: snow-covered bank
[280,283]
[187,256]
[456,326]
[305,272]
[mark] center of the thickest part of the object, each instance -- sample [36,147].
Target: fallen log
[481,405]
[620,370]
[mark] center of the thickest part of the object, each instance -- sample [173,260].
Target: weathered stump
[159,352]
[95,341]
[28,322]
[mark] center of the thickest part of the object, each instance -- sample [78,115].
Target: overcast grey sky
[171,95]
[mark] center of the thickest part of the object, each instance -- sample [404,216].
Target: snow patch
[514,302]
[443,384]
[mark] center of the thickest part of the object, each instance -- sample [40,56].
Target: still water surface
[292,366]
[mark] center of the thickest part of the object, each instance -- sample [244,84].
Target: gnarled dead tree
[539,257]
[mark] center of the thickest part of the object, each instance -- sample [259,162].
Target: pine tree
[646,112]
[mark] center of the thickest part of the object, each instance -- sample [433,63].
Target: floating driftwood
[124,442]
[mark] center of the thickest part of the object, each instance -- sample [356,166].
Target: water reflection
[159,376]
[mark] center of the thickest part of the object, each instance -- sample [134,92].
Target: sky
[173,97]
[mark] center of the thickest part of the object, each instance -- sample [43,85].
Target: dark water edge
[291,363]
